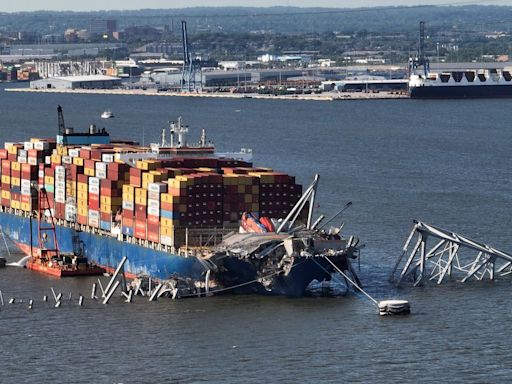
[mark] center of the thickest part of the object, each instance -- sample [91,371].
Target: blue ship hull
[106,251]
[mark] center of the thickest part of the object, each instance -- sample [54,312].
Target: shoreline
[327,96]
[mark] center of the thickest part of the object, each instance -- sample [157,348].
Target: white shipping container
[25,183]
[94,189]
[157,187]
[8,144]
[73,152]
[94,181]
[40,173]
[22,153]
[32,160]
[101,174]
[101,166]
[60,184]
[128,205]
[28,145]
[41,145]
[67,160]
[167,240]
[59,199]
[47,159]
[93,214]
[107,157]
[154,195]
[22,160]
[25,191]
[60,170]
[153,203]
[153,211]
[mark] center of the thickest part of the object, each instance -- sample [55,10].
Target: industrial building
[77,82]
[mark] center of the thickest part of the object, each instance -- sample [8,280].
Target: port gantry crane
[421,60]
[190,67]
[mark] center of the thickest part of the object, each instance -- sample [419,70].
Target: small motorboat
[107,114]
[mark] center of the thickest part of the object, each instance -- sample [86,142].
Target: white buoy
[30,304]
[45,298]
[57,305]
[394,307]
[81,300]
[12,300]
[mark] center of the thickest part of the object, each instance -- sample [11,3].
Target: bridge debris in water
[439,254]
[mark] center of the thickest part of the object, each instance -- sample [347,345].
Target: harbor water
[447,163]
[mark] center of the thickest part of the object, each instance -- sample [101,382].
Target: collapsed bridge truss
[439,254]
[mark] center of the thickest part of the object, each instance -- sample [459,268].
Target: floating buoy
[394,307]
[57,305]
[30,304]
[12,300]
[45,298]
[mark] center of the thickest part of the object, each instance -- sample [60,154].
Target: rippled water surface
[445,162]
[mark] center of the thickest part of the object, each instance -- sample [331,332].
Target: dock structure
[438,254]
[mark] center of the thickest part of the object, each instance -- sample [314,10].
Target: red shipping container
[136,172]
[90,164]
[84,179]
[85,153]
[140,215]
[153,227]
[153,220]
[82,219]
[3,153]
[96,155]
[12,157]
[128,222]
[105,216]
[127,214]
[136,181]
[6,202]
[154,237]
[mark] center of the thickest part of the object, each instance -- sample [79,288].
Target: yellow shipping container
[82,187]
[248,198]
[241,188]
[166,231]
[27,207]
[49,180]
[83,195]
[6,194]
[15,204]
[15,166]
[62,150]
[266,178]
[166,222]
[78,161]
[56,159]
[255,207]
[167,198]
[147,165]
[16,181]
[83,211]
[183,208]
[12,149]
[230,179]
[89,171]
[128,189]
[255,189]
[106,208]
[141,200]
[6,179]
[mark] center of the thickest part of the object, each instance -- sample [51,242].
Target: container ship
[482,83]
[459,84]
[174,209]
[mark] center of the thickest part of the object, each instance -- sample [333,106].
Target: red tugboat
[47,258]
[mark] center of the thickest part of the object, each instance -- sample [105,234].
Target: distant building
[77,82]
[100,27]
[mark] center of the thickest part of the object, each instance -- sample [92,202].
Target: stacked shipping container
[155,200]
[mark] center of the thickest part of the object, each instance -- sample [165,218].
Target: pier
[326,96]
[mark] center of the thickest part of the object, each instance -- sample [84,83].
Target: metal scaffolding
[449,255]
